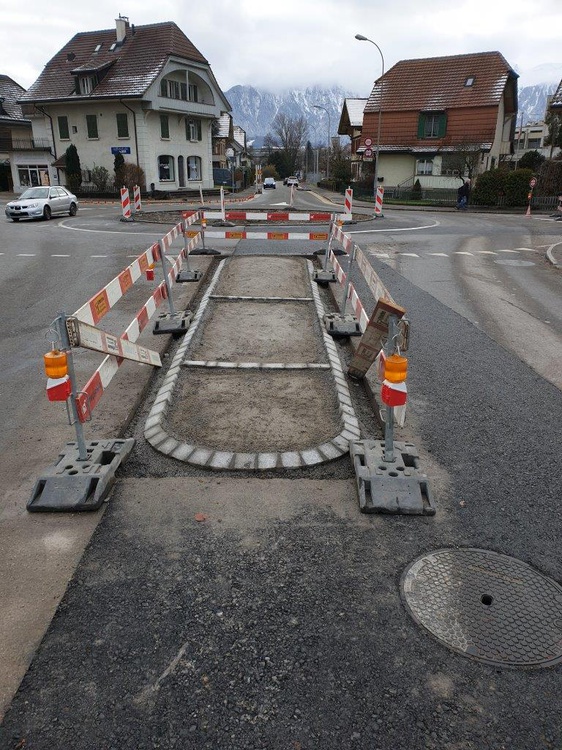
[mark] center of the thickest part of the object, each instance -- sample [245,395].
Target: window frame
[60,119]
[432,125]
[422,172]
[164,127]
[92,119]
[194,163]
[170,165]
[119,117]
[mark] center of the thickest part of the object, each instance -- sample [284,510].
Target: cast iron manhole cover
[487,606]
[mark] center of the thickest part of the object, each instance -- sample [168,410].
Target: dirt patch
[265,276]
[250,411]
[260,332]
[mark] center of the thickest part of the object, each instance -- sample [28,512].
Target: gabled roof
[240,136]
[223,128]
[10,93]
[355,108]
[130,68]
[556,101]
[439,83]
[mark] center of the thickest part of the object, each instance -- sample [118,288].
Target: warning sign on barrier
[372,340]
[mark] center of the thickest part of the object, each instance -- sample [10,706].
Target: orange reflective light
[56,364]
[395,368]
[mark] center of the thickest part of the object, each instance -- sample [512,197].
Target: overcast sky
[278,44]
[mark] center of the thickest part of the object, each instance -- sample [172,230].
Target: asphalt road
[248,631]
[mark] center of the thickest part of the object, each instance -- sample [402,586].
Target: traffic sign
[532,183]
[368,153]
[368,142]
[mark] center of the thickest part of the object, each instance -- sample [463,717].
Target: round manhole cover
[487,606]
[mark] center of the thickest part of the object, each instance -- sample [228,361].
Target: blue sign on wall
[120,149]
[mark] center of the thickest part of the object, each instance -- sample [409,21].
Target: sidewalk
[245,609]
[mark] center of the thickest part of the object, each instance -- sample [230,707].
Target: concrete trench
[256,383]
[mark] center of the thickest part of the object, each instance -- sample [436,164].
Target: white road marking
[390,229]
[462,252]
[409,255]
[26,255]
[486,252]
[440,255]
[508,251]
[380,255]
[60,256]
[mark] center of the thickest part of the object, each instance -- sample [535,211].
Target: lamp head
[361,38]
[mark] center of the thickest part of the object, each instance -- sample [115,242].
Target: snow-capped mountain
[535,86]
[254,109]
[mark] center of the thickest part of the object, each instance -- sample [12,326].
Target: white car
[292,181]
[42,203]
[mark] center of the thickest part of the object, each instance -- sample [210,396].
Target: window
[173,89]
[193,130]
[534,143]
[33,175]
[193,168]
[193,93]
[122,125]
[92,126]
[469,81]
[64,133]
[432,124]
[424,166]
[165,168]
[86,84]
[164,127]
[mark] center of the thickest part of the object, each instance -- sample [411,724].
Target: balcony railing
[24,144]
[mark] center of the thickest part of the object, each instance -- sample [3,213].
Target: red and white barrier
[233,235]
[378,200]
[95,309]
[263,216]
[348,203]
[125,203]
[137,198]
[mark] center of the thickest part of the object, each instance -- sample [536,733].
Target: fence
[82,476]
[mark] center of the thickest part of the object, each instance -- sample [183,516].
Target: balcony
[24,144]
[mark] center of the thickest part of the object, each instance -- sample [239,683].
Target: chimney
[121,25]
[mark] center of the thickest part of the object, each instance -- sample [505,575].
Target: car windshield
[37,192]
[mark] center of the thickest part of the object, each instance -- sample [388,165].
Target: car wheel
[73,209]
[15,219]
[46,213]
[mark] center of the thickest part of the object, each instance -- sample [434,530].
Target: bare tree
[292,133]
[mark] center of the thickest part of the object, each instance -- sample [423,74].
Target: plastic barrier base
[396,487]
[341,326]
[71,485]
[177,323]
[323,278]
[185,276]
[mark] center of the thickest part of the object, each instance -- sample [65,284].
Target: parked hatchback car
[42,203]
[269,182]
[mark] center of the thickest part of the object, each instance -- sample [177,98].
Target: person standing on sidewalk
[463,194]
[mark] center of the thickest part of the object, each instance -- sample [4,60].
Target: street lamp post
[317,106]
[362,38]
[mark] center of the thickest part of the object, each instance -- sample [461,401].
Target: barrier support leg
[65,342]
[344,325]
[324,276]
[172,322]
[186,274]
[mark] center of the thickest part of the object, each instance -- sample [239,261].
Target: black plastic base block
[177,323]
[341,326]
[186,276]
[71,485]
[323,278]
[396,487]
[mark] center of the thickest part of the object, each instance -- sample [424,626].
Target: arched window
[193,168]
[166,168]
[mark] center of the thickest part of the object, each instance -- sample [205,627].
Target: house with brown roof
[351,124]
[24,160]
[441,119]
[143,91]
